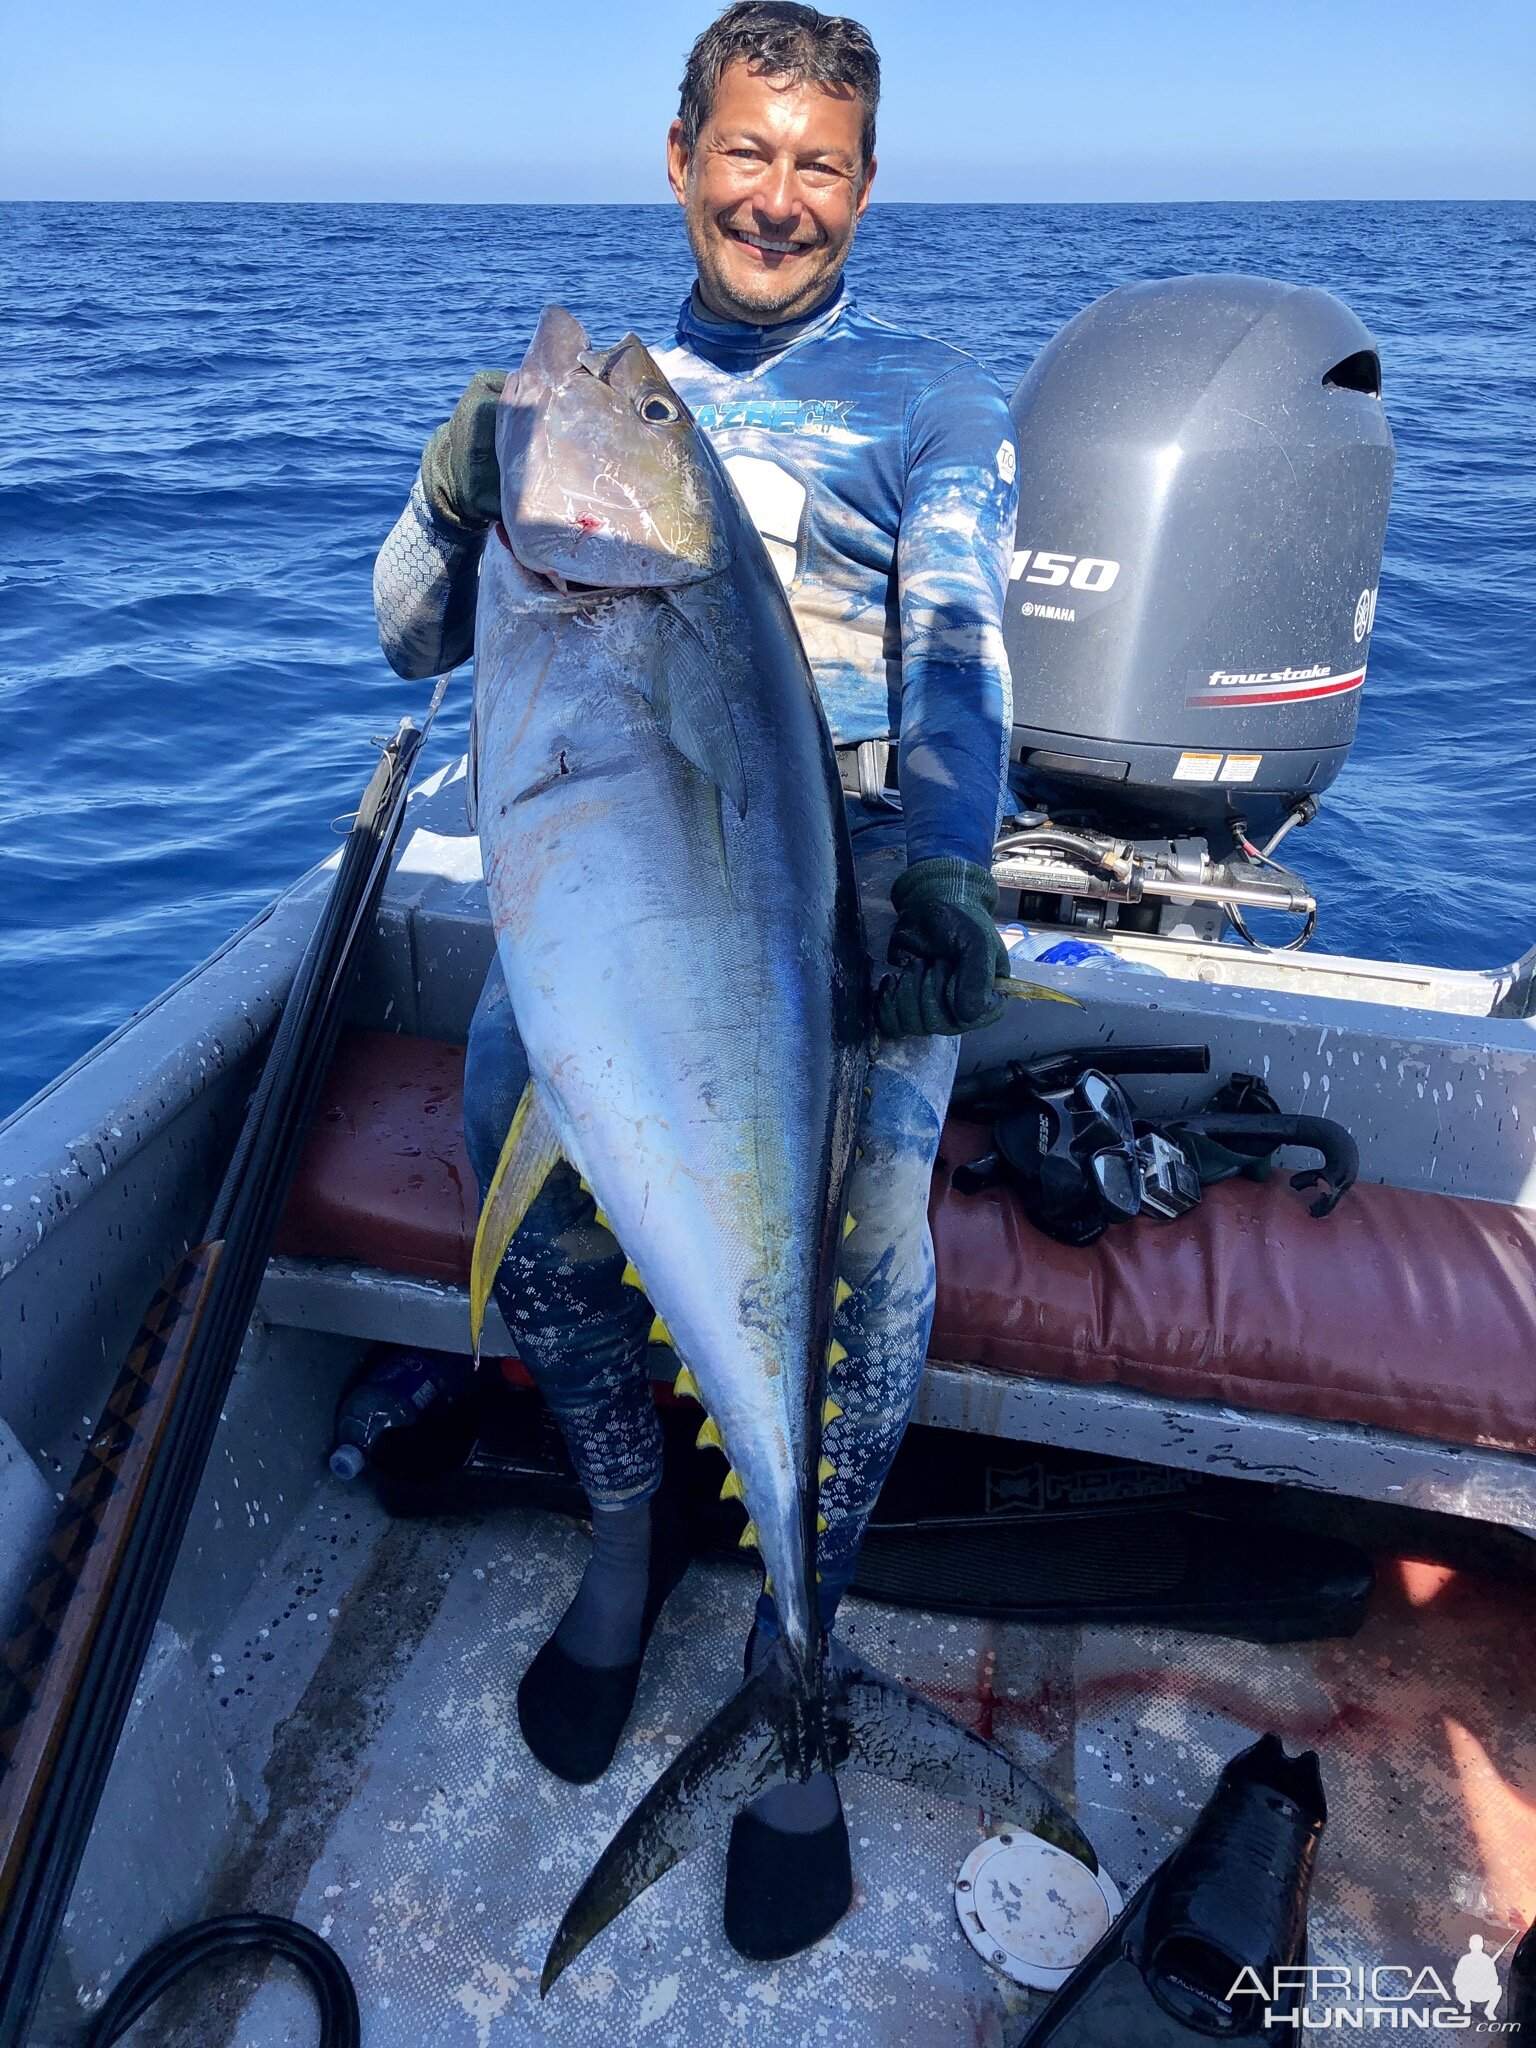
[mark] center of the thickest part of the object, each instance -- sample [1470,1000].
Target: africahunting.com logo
[1384,1997]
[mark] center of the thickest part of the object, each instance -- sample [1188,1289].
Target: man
[879,468]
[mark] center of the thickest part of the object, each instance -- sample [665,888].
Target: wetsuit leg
[887,1259]
[579,1330]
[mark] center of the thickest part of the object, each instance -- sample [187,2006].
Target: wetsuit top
[879,467]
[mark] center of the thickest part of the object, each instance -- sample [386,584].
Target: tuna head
[605,479]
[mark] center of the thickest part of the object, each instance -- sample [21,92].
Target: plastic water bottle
[401,1387]
[1058,949]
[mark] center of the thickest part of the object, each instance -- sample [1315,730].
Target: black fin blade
[729,1762]
[894,1732]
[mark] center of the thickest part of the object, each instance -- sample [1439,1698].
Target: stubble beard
[764,301]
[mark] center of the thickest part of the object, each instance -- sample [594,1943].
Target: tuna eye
[659,411]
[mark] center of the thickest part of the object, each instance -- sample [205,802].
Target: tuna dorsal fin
[531,1149]
[686,696]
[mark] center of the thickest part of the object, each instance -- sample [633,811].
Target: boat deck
[327,1719]
[363,1693]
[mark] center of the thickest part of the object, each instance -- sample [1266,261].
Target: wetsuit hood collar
[734,345]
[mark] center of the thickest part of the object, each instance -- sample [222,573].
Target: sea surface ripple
[211,416]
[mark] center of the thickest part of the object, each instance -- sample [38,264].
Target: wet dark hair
[781,39]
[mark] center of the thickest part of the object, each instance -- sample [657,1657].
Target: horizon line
[666,205]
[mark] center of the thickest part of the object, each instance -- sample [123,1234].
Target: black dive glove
[945,950]
[458,465]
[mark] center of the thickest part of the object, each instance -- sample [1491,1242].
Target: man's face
[771,194]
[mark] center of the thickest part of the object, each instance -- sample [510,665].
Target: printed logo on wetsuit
[1007,461]
[776,415]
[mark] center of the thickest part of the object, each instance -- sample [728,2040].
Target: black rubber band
[163,1965]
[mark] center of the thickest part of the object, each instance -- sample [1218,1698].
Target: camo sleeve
[425,582]
[952,559]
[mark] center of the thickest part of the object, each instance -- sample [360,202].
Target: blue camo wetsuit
[879,468]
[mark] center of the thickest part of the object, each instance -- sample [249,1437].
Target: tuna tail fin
[767,1730]
[532,1147]
[894,1732]
[729,1762]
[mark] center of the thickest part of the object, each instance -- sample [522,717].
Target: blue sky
[985,99]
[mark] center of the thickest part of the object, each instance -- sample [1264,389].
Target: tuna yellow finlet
[732,1487]
[829,1411]
[659,1333]
[685,1386]
[630,1277]
[748,1537]
[850,1225]
[599,1217]
[821,1525]
[708,1437]
[841,1293]
[824,1471]
[835,1353]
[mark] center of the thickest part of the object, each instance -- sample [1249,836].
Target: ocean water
[210,416]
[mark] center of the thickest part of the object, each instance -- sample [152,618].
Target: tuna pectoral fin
[867,1722]
[685,693]
[732,1758]
[532,1148]
[894,1732]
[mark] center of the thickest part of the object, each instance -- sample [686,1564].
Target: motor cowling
[1204,472]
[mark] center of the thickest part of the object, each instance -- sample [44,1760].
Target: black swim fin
[769,1729]
[1195,1952]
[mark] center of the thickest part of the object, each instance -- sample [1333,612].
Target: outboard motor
[1204,471]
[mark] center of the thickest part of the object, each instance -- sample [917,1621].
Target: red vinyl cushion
[385,1179]
[1409,1311]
